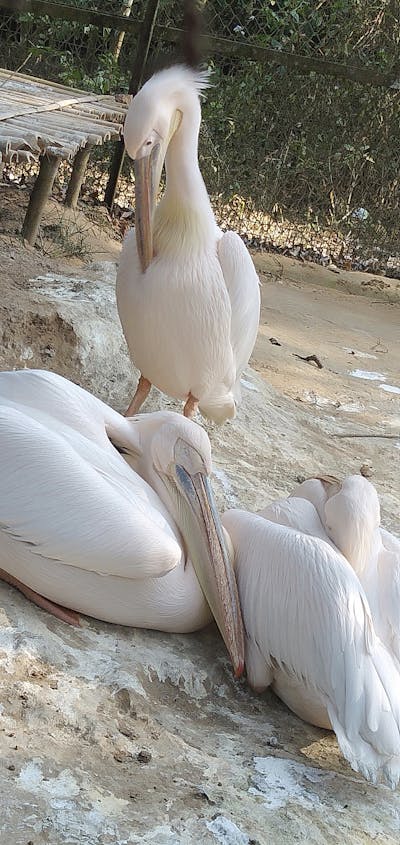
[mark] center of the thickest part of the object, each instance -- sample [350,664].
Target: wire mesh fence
[294,159]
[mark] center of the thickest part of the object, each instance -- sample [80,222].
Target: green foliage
[305,148]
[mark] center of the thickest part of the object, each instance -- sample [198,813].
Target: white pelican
[187,293]
[350,514]
[81,528]
[309,633]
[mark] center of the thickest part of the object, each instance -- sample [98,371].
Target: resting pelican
[81,528]
[187,293]
[310,634]
[350,514]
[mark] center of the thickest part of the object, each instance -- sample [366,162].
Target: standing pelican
[350,514]
[310,634]
[187,293]
[81,528]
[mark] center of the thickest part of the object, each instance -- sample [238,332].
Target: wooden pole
[39,196]
[144,41]
[77,175]
[125,11]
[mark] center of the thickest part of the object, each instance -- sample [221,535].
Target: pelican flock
[114,516]
[187,293]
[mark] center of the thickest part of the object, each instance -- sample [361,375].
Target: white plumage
[310,634]
[188,295]
[82,528]
[309,603]
[350,513]
[296,513]
[129,538]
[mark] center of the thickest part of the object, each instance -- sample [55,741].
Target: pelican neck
[185,183]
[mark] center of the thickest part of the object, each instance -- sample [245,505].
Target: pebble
[126,730]
[366,471]
[122,756]
[201,792]
[144,756]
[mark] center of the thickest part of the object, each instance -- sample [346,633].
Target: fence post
[144,41]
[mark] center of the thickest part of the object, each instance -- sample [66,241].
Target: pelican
[350,514]
[187,293]
[309,633]
[127,538]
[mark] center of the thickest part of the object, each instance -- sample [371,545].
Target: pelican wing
[70,500]
[58,402]
[307,615]
[244,292]
[296,513]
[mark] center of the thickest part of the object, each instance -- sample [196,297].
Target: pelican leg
[190,406]
[57,610]
[142,392]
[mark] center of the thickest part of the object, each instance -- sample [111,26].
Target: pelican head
[175,458]
[352,517]
[154,116]
[317,490]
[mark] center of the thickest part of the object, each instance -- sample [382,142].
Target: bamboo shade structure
[39,117]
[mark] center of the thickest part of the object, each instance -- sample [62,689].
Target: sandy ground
[111,736]
[356,338]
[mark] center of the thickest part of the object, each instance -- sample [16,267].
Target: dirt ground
[356,338]
[114,736]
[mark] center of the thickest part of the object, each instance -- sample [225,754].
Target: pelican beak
[148,168]
[203,534]
[147,178]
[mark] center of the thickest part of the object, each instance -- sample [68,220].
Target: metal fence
[300,137]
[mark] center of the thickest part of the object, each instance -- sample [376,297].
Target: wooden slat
[35,83]
[43,84]
[32,109]
[38,117]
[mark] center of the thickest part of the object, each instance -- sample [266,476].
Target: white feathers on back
[328,648]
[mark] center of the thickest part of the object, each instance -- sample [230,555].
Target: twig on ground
[311,359]
[357,434]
